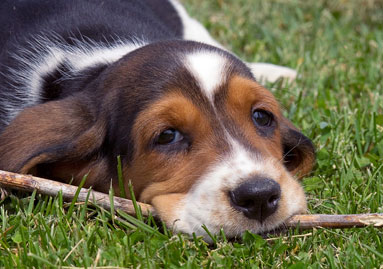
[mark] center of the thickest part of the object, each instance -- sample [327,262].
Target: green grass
[337,46]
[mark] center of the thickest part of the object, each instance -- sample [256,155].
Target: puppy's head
[199,139]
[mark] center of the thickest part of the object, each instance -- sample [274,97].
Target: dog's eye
[169,136]
[262,118]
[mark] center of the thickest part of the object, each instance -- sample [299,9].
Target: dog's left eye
[169,136]
[262,117]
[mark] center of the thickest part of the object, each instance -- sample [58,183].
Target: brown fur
[245,95]
[62,136]
[155,173]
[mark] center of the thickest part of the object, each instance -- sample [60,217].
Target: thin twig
[30,183]
[73,249]
[44,186]
[294,236]
[335,221]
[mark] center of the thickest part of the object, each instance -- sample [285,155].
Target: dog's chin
[231,232]
[181,216]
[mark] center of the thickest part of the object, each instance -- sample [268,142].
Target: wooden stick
[335,221]
[44,186]
[30,183]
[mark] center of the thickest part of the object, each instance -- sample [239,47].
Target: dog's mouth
[277,231]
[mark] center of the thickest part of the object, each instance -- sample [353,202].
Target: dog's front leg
[271,72]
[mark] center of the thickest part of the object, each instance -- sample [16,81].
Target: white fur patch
[46,54]
[208,203]
[86,56]
[209,70]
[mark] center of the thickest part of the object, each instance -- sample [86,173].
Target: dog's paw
[271,72]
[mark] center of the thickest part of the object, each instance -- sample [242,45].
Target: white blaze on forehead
[209,69]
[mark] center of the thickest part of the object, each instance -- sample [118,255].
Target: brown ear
[298,150]
[47,138]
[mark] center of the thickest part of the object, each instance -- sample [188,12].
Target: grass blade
[120,178]
[72,204]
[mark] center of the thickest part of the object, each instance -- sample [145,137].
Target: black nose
[257,198]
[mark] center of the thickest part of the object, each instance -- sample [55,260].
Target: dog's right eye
[169,136]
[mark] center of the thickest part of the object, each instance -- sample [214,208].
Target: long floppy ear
[298,150]
[47,139]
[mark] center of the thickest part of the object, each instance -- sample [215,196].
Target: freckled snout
[257,198]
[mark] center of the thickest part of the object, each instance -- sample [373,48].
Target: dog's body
[83,82]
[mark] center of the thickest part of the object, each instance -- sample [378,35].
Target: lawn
[337,101]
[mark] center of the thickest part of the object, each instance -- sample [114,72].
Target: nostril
[273,199]
[257,198]
[271,205]
[240,201]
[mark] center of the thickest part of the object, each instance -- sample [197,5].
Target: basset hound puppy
[85,81]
